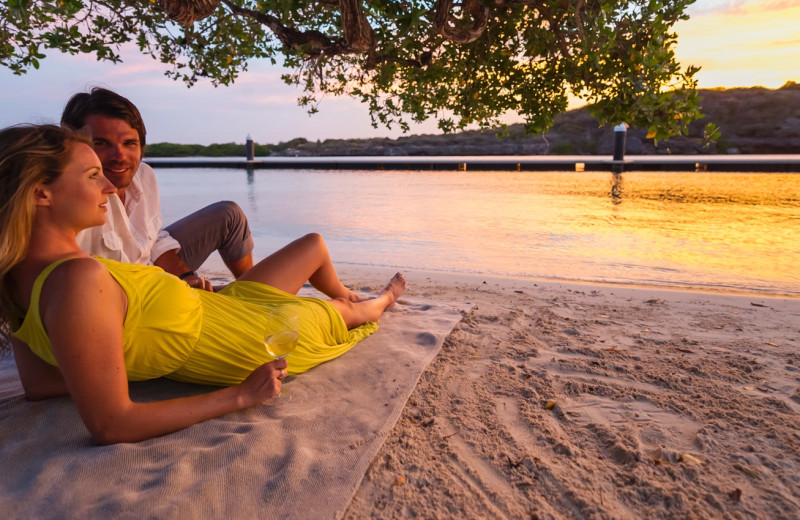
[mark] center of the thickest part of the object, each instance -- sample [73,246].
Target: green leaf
[617,55]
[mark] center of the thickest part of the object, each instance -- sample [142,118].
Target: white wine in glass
[281,344]
[282,340]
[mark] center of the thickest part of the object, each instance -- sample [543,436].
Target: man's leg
[219,227]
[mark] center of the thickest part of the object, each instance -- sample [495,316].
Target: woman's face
[78,197]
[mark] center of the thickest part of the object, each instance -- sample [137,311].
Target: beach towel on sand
[301,459]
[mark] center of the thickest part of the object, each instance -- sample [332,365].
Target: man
[133,230]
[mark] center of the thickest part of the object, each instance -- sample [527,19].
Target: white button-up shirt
[133,231]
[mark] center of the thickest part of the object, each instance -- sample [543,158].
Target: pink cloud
[785,43]
[762,7]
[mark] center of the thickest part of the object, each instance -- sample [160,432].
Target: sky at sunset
[736,42]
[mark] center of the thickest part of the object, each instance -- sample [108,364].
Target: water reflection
[252,198]
[616,188]
[699,229]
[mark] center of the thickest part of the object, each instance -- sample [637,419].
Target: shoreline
[215,270]
[456,276]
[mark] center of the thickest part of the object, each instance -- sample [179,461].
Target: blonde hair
[30,155]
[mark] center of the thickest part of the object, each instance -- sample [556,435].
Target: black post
[250,147]
[620,135]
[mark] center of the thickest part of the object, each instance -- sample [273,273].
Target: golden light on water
[656,225]
[726,231]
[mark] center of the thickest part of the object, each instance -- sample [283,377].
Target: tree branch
[316,42]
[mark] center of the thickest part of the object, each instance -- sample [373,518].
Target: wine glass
[282,340]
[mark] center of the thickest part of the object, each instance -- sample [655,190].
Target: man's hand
[171,263]
[198,282]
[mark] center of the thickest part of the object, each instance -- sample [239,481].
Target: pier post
[250,148]
[620,136]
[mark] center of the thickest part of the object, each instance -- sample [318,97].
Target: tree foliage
[464,62]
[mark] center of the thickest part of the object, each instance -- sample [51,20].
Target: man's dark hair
[102,102]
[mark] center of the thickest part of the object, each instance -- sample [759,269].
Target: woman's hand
[263,383]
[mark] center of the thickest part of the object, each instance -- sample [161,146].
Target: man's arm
[171,263]
[164,249]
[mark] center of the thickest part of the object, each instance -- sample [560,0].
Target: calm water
[718,230]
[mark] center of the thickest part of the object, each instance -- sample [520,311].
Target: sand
[557,400]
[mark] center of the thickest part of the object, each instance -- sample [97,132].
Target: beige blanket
[302,459]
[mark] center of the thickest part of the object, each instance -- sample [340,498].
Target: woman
[85,326]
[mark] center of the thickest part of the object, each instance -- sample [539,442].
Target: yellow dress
[174,331]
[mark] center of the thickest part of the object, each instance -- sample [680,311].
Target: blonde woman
[85,326]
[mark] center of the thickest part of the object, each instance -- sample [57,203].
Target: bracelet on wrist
[187,274]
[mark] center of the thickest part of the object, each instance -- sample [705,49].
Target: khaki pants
[222,227]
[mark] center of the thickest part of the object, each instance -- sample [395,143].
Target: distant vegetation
[751,121]
[217,149]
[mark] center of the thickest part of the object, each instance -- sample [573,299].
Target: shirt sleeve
[164,242]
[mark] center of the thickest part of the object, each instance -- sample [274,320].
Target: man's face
[117,145]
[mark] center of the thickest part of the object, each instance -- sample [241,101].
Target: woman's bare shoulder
[81,267]
[80,286]
[78,275]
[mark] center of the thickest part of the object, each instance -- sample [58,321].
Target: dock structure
[586,163]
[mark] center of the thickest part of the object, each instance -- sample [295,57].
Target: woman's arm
[40,380]
[83,309]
